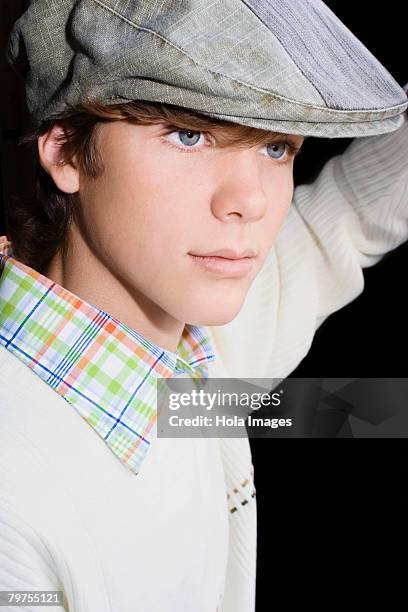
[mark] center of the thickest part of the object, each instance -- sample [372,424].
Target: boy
[121,281]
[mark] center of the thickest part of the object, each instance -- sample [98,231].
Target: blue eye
[280,144]
[190,136]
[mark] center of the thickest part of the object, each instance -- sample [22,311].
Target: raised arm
[351,216]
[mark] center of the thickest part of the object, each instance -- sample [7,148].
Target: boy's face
[165,195]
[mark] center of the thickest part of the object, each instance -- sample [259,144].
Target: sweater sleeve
[352,215]
[25,563]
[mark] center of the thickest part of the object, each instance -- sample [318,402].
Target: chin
[216,318]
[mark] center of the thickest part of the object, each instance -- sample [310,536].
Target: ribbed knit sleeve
[25,563]
[353,214]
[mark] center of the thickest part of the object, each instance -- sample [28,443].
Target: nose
[240,192]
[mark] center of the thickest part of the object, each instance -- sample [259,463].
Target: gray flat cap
[289,66]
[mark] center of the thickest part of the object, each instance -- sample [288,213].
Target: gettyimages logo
[222,407]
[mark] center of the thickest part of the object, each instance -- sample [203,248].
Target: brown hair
[38,224]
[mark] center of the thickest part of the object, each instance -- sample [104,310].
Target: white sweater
[69,514]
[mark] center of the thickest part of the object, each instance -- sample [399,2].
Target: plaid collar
[105,369]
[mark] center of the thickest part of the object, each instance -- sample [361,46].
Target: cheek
[280,200]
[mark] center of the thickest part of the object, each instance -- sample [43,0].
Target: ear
[64,175]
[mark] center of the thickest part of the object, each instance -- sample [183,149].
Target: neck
[87,277]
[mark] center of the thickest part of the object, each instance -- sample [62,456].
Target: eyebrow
[295,140]
[283,136]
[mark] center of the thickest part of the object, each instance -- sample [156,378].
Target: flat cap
[289,66]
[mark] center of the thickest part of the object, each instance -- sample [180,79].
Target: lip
[227,254]
[224,266]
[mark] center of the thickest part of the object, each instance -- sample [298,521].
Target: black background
[324,506]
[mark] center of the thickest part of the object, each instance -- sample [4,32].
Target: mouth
[227,254]
[224,266]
